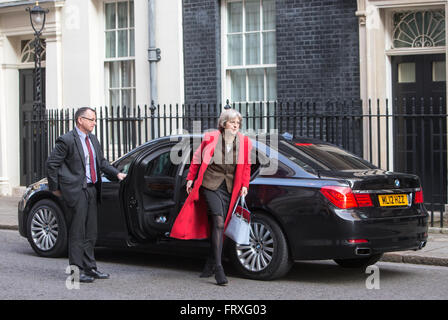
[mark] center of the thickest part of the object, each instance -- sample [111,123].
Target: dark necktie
[91,161]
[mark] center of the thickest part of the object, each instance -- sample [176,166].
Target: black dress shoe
[97,274]
[85,278]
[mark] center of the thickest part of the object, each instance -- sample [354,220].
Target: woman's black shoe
[220,276]
[209,269]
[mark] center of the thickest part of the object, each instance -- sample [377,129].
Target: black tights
[217,229]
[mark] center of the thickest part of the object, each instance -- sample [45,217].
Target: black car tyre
[359,262]
[267,256]
[47,229]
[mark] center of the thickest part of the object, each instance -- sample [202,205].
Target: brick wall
[201,23]
[317,49]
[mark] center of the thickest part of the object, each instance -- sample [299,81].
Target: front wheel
[47,230]
[359,262]
[267,256]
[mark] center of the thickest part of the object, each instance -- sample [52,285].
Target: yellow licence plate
[388,200]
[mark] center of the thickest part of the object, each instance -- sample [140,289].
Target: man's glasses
[93,120]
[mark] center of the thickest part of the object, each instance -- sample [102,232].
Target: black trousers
[83,230]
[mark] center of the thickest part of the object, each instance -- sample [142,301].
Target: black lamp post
[39,128]
[37,18]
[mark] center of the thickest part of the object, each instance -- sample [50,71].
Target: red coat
[192,221]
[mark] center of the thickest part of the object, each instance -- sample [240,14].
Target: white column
[53,61]
[141,53]
[4,181]
[76,82]
[361,14]
[170,73]
[53,72]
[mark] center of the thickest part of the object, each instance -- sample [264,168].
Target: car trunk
[391,194]
[374,193]
[376,179]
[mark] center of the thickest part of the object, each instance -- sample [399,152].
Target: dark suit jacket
[66,168]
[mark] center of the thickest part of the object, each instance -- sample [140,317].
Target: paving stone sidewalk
[8,212]
[434,253]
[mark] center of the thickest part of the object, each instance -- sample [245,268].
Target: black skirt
[218,200]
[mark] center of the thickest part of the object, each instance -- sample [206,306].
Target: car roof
[268,136]
[257,137]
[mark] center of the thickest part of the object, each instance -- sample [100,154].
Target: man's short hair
[81,112]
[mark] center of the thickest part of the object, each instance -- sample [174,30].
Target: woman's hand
[189,186]
[243,192]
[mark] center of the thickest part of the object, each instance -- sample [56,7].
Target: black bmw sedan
[309,199]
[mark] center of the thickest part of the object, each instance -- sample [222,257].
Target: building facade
[104,52]
[95,54]
[267,50]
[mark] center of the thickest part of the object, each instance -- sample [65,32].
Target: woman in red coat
[220,170]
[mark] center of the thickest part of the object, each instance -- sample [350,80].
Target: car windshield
[322,157]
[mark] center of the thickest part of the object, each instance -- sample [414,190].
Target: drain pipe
[153,58]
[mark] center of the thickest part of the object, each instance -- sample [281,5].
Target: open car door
[156,192]
[149,196]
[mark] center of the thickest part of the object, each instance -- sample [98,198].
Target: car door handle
[132,202]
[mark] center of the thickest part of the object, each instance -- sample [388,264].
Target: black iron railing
[404,135]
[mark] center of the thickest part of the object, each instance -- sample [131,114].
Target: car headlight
[30,190]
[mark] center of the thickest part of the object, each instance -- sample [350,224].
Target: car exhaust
[422,245]
[362,251]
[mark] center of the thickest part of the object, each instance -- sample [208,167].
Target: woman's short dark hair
[81,112]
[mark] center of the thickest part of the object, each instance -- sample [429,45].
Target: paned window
[250,44]
[420,29]
[28,50]
[120,53]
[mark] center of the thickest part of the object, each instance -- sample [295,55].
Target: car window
[269,166]
[322,156]
[158,180]
[124,164]
[161,166]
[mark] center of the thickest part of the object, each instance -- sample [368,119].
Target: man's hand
[189,186]
[121,176]
[57,193]
[243,192]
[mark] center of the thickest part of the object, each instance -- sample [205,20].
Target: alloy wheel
[44,229]
[258,254]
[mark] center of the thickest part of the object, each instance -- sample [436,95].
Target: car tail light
[355,241]
[418,196]
[344,198]
[363,200]
[304,144]
[341,197]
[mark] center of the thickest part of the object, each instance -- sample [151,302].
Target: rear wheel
[267,256]
[359,262]
[47,229]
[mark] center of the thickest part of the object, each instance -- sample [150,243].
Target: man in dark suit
[74,173]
